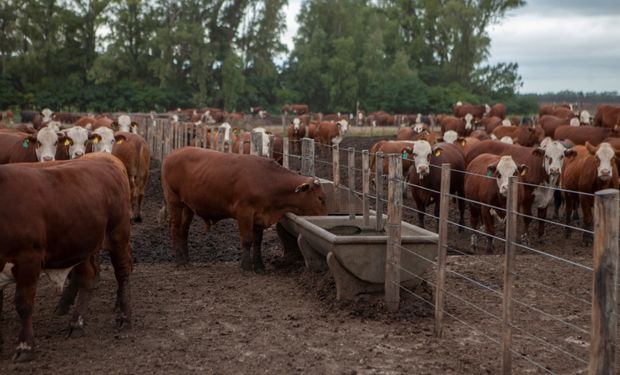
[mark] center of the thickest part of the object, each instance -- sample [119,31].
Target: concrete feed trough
[354,253]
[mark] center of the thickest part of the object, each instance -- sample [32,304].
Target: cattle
[63,234]
[334,117]
[585,118]
[27,116]
[449,137]
[47,115]
[607,116]
[411,134]
[404,148]
[550,123]
[126,125]
[329,133]
[462,126]
[477,111]
[425,176]
[134,152]
[44,146]
[480,135]
[106,140]
[466,144]
[77,139]
[490,123]
[297,109]
[65,117]
[103,121]
[234,117]
[579,135]
[588,169]
[486,182]
[561,110]
[86,121]
[296,131]
[313,130]
[498,110]
[255,191]
[380,118]
[523,135]
[213,115]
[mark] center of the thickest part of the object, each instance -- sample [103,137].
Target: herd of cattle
[94,171]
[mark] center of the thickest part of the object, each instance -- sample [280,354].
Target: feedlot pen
[210,317]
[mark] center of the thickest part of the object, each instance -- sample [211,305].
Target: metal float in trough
[354,253]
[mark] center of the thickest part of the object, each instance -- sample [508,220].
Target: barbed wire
[579,265]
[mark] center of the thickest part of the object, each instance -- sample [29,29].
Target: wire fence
[535,308]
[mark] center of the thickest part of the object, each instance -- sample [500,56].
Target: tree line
[402,56]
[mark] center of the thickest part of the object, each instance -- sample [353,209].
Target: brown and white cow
[297,109]
[255,191]
[579,135]
[487,182]
[329,133]
[607,116]
[477,111]
[490,123]
[45,145]
[404,148]
[498,110]
[463,126]
[588,169]
[77,139]
[296,131]
[98,215]
[550,123]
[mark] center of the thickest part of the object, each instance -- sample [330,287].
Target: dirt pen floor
[210,317]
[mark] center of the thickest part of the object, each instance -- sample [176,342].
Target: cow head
[106,140]
[422,153]
[574,122]
[47,141]
[459,103]
[506,122]
[487,109]
[468,121]
[47,115]
[311,198]
[605,156]
[507,139]
[450,136]
[585,117]
[343,126]
[124,123]
[503,170]
[77,139]
[418,127]
[296,123]
[553,153]
[225,128]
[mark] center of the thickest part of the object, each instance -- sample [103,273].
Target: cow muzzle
[554,171]
[503,190]
[422,170]
[604,175]
[47,158]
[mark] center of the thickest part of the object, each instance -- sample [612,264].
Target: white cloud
[291,10]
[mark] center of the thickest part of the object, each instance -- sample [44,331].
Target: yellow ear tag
[119,141]
[523,172]
[67,142]
[95,141]
[437,152]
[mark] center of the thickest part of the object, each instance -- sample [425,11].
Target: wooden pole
[509,265]
[379,190]
[392,256]
[365,188]
[442,247]
[285,151]
[270,141]
[256,144]
[604,283]
[351,176]
[220,140]
[283,124]
[307,157]
[336,166]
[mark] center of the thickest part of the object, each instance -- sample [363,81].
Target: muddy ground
[211,317]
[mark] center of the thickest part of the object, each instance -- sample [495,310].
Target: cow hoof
[137,219]
[123,322]
[75,332]
[259,267]
[62,309]
[246,265]
[23,355]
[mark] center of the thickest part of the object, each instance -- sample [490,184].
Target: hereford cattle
[256,110]
[411,134]
[380,118]
[523,135]
[234,116]
[607,116]
[44,146]
[124,124]
[213,115]
[134,152]
[404,148]
[588,169]
[579,135]
[487,182]
[297,109]
[426,173]
[463,126]
[477,111]
[65,117]
[106,140]
[550,123]
[449,137]
[86,121]
[558,110]
[490,123]
[64,234]
[253,190]
[498,110]
[329,133]
[296,131]
[313,130]
[585,118]
[480,135]
[103,121]
[77,139]
[334,117]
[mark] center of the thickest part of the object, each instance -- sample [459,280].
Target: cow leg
[121,256]
[257,258]
[489,225]
[527,210]
[246,233]
[68,296]
[557,203]
[568,208]
[421,212]
[180,220]
[26,276]
[542,214]
[461,206]
[134,200]
[474,220]
[586,209]
[84,278]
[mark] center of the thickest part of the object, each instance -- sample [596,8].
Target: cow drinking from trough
[255,191]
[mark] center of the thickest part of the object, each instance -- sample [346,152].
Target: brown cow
[480,134]
[523,135]
[426,173]
[380,118]
[498,110]
[549,123]
[253,190]
[588,169]
[296,131]
[607,116]
[463,126]
[404,148]
[558,110]
[297,109]
[579,135]
[134,152]
[85,121]
[44,145]
[103,122]
[487,182]
[63,234]
[460,110]
[490,123]
[313,130]
[334,117]
[411,134]
[329,133]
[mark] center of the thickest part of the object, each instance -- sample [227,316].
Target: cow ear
[491,169]
[28,140]
[538,151]
[119,138]
[438,151]
[95,138]
[67,141]
[570,153]
[302,188]
[591,149]
[523,170]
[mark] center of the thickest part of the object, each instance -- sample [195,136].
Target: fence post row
[307,157]
[351,175]
[379,190]
[392,256]
[365,188]
[509,265]
[604,283]
[442,248]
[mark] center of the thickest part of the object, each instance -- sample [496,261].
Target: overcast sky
[558,44]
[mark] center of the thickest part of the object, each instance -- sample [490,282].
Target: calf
[253,190]
[77,138]
[296,131]
[329,133]
[589,169]
[425,176]
[486,182]
[134,152]
[63,235]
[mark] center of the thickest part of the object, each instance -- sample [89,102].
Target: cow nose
[554,170]
[503,190]
[78,154]
[605,172]
[48,158]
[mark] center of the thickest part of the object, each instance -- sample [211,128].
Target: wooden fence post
[392,256]
[256,143]
[509,265]
[442,248]
[283,124]
[307,157]
[365,188]
[351,176]
[604,283]
[270,141]
[379,190]
[285,151]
